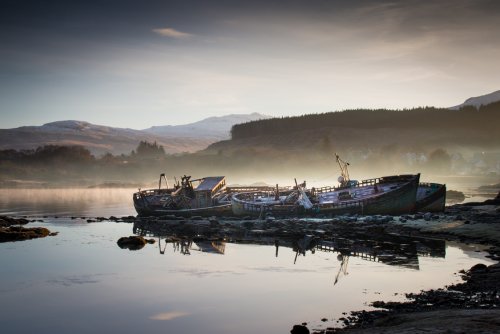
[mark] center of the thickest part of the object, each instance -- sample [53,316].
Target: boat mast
[344,172]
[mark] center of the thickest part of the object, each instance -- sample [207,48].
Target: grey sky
[141,63]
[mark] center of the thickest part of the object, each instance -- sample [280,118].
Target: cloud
[168,315]
[171,32]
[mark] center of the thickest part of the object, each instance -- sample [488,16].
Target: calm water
[80,281]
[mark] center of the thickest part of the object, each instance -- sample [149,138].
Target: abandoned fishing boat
[388,195]
[431,197]
[278,202]
[208,198]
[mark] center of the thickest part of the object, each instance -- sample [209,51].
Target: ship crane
[344,172]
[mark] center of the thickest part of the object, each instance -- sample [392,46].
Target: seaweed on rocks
[480,290]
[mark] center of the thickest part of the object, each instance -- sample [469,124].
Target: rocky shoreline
[469,307]
[11,230]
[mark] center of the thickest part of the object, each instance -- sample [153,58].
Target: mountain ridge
[215,126]
[478,101]
[100,139]
[191,137]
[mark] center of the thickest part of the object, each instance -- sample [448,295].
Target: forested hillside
[486,118]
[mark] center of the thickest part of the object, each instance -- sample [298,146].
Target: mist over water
[118,201]
[67,202]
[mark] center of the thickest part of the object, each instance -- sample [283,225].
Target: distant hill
[350,130]
[212,127]
[479,100]
[101,139]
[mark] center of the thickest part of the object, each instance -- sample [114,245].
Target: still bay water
[80,281]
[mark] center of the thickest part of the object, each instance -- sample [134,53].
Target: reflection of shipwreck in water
[344,260]
[210,246]
[394,250]
[183,246]
[389,249]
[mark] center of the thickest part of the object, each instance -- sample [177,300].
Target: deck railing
[368,182]
[244,189]
[363,183]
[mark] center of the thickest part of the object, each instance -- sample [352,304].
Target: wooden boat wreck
[208,198]
[388,195]
[279,202]
[431,197]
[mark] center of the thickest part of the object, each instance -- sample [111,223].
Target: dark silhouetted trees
[483,119]
[149,150]
[50,154]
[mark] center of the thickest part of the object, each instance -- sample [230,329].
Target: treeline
[484,118]
[57,154]
[49,154]
[76,165]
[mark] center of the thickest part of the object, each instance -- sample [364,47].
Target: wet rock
[299,329]
[8,221]
[18,233]
[480,267]
[132,243]
[128,219]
